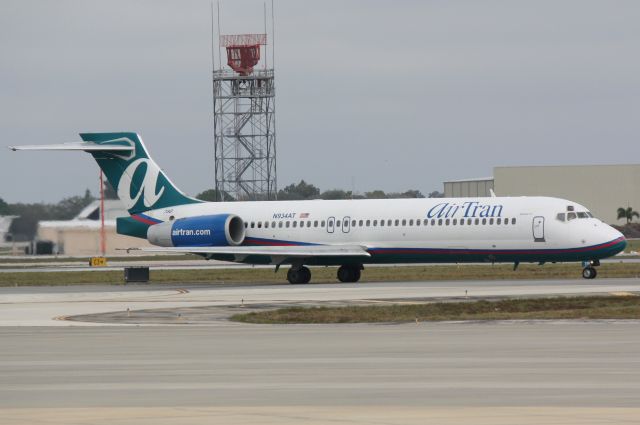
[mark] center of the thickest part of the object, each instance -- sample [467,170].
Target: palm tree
[627,213]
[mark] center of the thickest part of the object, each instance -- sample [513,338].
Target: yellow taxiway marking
[623,294]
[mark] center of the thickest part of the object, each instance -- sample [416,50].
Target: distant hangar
[601,188]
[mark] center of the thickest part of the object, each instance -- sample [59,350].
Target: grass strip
[605,307]
[324,274]
[26,261]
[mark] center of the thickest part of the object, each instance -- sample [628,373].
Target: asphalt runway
[59,371]
[481,373]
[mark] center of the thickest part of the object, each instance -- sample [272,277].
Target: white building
[80,236]
[601,188]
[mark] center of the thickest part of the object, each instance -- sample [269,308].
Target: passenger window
[375,223]
[446,222]
[418,222]
[560,216]
[381,223]
[397,222]
[353,223]
[253,224]
[301,223]
[571,216]
[433,221]
[246,224]
[388,222]
[404,222]
[360,223]
[315,223]
[462,222]
[368,223]
[309,223]
[490,221]
[295,224]
[266,224]
[455,221]
[411,222]
[280,224]
[499,221]
[477,221]
[426,222]
[273,224]
[440,222]
[513,221]
[322,223]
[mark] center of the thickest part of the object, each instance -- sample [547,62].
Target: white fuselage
[493,229]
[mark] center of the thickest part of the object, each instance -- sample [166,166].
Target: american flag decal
[304,215]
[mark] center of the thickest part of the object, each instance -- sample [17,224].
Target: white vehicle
[347,233]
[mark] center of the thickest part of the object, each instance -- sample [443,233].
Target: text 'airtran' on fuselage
[469,209]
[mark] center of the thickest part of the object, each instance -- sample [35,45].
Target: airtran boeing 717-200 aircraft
[347,233]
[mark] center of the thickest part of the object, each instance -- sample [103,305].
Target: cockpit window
[560,216]
[571,216]
[589,214]
[582,214]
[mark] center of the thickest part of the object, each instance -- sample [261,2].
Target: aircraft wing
[282,252]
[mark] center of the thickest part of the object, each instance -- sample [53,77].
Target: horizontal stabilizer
[75,146]
[278,251]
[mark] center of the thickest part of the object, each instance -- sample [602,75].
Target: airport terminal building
[601,188]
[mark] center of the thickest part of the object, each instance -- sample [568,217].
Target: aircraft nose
[617,240]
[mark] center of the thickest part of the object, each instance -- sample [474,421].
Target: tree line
[307,191]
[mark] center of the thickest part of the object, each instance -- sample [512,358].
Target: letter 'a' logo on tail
[148,186]
[140,183]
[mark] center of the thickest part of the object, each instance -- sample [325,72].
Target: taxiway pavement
[49,306]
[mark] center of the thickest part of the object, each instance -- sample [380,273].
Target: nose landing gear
[589,272]
[589,269]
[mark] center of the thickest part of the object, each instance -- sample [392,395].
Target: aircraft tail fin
[141,185]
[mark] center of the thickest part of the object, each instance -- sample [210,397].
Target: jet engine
[205,230]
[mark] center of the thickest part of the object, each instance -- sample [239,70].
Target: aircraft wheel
[299,276]
[589,273]
[349,273]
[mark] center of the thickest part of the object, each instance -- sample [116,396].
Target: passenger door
[538,229]
[331,223]
[346,224]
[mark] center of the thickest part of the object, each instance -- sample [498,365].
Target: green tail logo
[140,183]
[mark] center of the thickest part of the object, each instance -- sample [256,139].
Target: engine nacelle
[204,230]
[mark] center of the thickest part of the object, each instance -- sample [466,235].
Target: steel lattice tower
[244,122]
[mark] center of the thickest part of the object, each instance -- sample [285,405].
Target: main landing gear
[299,275]
[589,269]
[347,273]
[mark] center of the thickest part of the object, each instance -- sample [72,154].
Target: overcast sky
[384,95]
